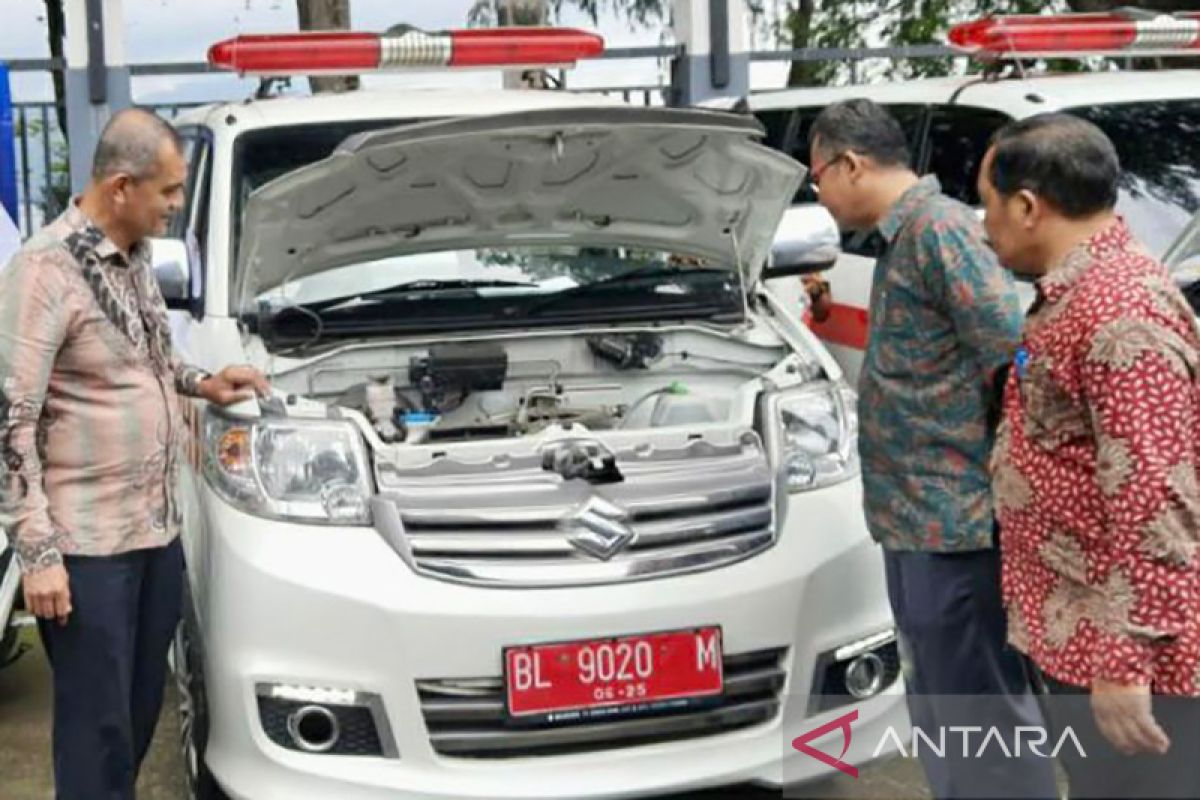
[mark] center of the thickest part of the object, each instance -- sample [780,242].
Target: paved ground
[25,750]
[25,736]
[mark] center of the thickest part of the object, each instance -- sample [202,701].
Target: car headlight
[308,470]
[816,429]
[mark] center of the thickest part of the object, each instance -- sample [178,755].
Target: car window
[958,140]
[504,272]
[1158,143]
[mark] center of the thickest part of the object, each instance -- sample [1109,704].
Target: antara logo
[801,743]
[991,740]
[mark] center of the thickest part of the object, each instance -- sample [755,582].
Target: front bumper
[337,608]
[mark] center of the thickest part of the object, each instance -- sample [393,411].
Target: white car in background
[554,499]
[10,596]
[1153,119]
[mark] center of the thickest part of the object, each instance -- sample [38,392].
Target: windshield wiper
[413,287]
[642,273]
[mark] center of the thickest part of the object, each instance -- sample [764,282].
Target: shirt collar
[1111,240]
[106,250]
[908,205]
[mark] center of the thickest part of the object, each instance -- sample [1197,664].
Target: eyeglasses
[815,175]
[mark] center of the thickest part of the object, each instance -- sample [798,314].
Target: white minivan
[555,497]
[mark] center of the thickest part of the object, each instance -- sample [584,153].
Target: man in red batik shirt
[1095,466]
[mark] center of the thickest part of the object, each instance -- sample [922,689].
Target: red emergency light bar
[1116,33]
[343,52]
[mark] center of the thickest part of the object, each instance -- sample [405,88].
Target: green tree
[842,24]
[1152,5]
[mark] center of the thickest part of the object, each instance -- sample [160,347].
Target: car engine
[462,391]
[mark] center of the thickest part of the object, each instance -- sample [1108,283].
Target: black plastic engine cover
[460,368]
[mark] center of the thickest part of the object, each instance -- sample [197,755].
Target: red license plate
[638,672]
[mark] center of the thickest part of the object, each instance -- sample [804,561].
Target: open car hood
[685,181]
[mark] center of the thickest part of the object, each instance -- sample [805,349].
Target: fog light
[314,729]
[325,721]
[864,676]
[856,671]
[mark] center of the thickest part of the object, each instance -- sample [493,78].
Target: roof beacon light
[1115,33]
[342,52]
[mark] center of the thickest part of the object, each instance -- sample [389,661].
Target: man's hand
[48,593]
[233,385]
[819,295]
[1125,717]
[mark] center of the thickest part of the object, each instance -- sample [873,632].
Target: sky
[182,30]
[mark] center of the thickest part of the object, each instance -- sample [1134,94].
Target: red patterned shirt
[1095,474]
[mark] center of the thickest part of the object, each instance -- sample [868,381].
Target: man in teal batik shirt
[944,317]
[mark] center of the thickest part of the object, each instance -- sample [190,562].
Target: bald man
[91,435]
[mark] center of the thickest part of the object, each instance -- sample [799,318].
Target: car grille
[467,718]
[696,508]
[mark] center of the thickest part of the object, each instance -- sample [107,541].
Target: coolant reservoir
[687,409]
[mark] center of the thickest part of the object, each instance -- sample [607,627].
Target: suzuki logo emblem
[600,528]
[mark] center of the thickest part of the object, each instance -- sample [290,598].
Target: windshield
[497,272]
[1159,146]
[489,288]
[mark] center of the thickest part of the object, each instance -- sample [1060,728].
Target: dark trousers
[952,625]
[1097,771]
[109,663]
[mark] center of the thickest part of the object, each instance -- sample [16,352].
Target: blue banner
[8,153]
[10,236]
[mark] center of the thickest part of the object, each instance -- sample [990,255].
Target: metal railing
[36,130]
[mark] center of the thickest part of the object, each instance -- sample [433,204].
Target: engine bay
[499,388]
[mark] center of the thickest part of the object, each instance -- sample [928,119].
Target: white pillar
[97,77]
[716,61]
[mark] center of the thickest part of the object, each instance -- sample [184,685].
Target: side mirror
[171,269]
[807,241]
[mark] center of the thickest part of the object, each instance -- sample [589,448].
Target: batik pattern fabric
[1096,474]
[944,316]
[90,425]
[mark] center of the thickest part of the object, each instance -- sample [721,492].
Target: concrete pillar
[97,79]
[716,62]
